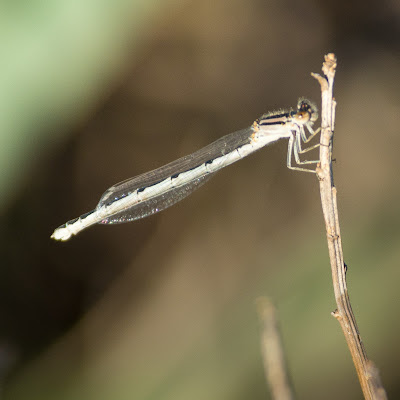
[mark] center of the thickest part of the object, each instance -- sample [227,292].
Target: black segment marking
[83,216]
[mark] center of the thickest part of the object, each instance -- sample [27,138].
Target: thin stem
[272,351]
[367,374]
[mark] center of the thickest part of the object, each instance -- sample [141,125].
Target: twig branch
[367,374]
[272,351]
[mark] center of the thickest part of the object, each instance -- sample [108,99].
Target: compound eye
[302,117]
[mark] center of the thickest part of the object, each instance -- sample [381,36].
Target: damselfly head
[306,111]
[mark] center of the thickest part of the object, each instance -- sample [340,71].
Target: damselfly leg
[294,147]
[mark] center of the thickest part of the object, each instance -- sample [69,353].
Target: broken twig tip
[329,66]
[335,314]
[322,81]
[330,57]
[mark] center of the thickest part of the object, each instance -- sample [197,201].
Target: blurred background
[92,93]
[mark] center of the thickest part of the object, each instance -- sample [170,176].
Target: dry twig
[272,351]
[367,374]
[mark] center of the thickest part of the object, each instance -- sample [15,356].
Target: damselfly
[156,190]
